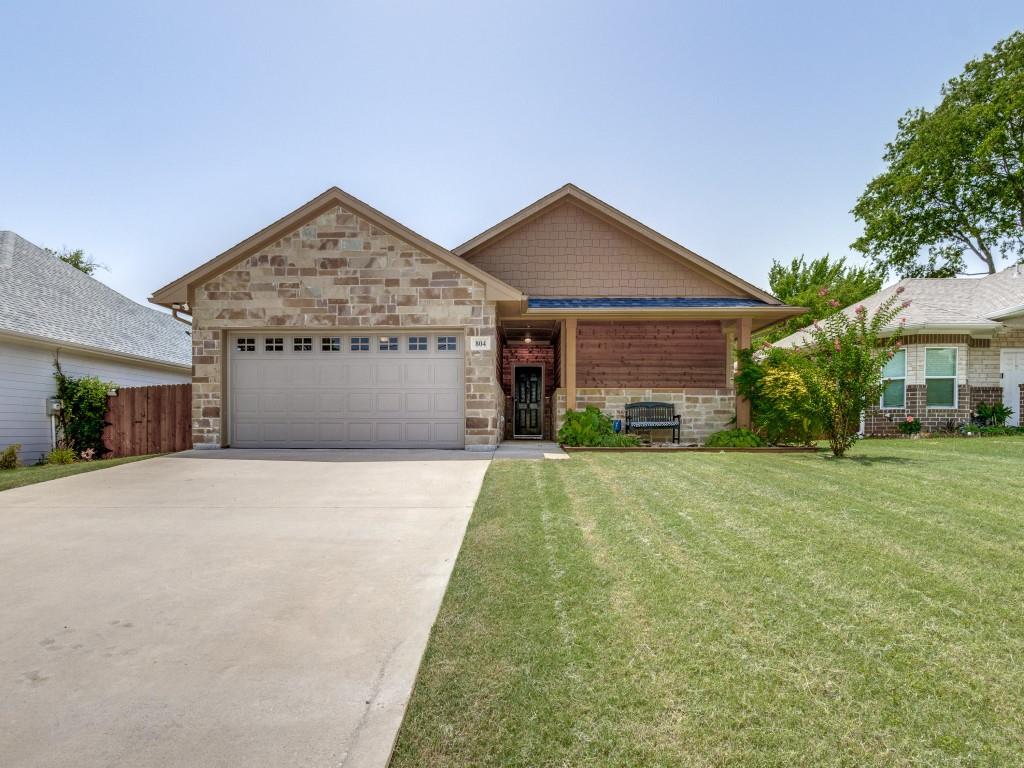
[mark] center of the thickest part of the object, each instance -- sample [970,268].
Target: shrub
[992,415]
[591,428]
[910,426]
[61,455]
[997,430]
[734,438]
[9,456]
[82,416]
[846,354]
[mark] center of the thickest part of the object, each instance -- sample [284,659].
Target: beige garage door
[344,390]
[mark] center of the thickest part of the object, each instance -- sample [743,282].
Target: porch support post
[569,362]
[742,404]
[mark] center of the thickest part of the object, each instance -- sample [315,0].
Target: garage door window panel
[302,344]
[330,344]
[245,345]
[447,344]
[387,344]
[273,344]
[360,344]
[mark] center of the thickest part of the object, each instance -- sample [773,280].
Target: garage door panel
[336,399]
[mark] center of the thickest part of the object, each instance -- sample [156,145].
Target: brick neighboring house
[337,326]
[963,345]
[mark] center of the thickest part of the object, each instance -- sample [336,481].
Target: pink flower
[899,344]
[909,419]
[861,309]
[833,303]
[837,345]
[823,292]
[903,321]
[905,304]
[901,289]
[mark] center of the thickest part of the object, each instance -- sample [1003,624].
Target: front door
[1012,365]
[529,401]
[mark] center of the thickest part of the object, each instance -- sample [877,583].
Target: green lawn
[735,609]
[13,478]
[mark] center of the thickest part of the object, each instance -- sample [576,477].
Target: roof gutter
[99,352]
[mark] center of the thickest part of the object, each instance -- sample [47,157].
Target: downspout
[176,308]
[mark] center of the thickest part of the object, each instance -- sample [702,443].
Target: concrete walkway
[234,608]
[530,450]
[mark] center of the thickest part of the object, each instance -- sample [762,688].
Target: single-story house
[337,326]
[50,311]
[963,345]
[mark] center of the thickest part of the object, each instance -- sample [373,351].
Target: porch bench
[648,416]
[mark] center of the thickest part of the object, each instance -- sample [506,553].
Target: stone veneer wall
[703,411]
[341,272]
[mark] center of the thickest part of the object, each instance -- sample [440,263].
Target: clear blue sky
[156,135]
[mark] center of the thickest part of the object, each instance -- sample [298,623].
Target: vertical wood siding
[142,420]
[650,354]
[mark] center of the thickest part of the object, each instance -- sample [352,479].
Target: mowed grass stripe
[734,609]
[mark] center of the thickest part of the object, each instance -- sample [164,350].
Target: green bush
[591,428]
[782,411]
[9,456]
[994,415]
[910,426]
[61,455]
[734,438]
[997,430]
[82,416]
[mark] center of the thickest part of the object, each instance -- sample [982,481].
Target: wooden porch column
[742,404]
[569,361]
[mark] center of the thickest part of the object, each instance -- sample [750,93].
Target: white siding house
[50,311]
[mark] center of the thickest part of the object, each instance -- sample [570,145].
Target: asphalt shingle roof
[597,302]
[945,301]
[42,296]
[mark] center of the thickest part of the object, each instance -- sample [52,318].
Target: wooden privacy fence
[143,420]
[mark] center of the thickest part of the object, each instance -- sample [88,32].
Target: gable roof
[616,217]
[947,304]
[42,298]
[176,292]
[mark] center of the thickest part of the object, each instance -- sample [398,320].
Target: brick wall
[702,410]
[340,272]
[569,251]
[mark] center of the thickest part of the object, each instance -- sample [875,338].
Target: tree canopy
[952,196]
[77,259]
[823,285]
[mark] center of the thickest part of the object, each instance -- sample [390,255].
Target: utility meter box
[53,406]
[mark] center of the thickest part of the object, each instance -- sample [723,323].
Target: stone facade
[339,272]
[702,411]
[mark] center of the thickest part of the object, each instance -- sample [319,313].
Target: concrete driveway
[232,608]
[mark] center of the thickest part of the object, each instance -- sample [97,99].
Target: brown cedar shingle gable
[176,292]
[590,203]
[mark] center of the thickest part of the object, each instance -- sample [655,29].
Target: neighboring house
[963,344]
[51,311]
[336,326]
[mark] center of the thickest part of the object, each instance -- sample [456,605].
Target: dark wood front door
[529,401]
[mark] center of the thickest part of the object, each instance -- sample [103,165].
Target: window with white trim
[447,344]
[245,345]
[894,374]
[940,377]
[330,343]
[360,344]
[417,343]
[387,343]
[302,344]
[273,344]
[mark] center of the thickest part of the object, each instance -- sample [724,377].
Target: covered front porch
[561,354]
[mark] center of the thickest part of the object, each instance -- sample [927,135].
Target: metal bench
[652,416]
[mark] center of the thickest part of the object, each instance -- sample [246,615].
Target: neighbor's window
[360,344]
[302,344]
[940,377]
[330,344]
[417,343]
[895,376]
[387,343]
[273,344]
[245,345]
[446,344]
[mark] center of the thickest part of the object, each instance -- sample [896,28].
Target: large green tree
[952,196]
[822,285]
